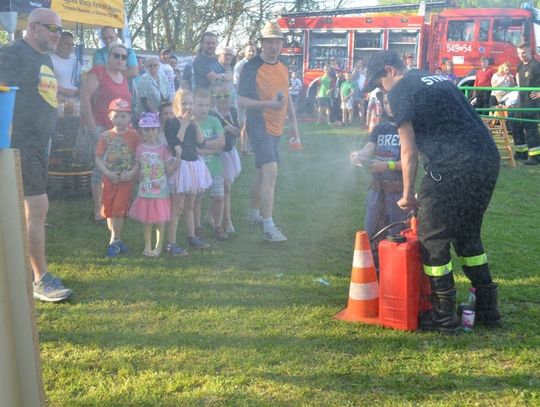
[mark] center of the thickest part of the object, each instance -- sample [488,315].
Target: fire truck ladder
[372,9]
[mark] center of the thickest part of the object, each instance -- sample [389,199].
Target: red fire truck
[343,37]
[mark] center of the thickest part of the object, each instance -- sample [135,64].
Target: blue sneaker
[197,243]
[174,250]
[123,248]
[113,250]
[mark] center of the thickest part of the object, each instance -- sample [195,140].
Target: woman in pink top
[103,84]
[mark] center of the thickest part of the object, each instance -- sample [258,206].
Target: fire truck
[340,38]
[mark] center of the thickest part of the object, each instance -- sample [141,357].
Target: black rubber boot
[487,310]
[532,160]
[442,317]
[521,156]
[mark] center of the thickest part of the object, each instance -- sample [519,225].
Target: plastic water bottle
[469,311]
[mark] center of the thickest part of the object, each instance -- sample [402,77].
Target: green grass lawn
[247,323]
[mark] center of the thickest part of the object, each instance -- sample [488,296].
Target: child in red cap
[115,157]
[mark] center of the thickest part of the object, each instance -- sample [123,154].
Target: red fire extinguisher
[404,289]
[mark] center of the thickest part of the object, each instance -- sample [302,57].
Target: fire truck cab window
[506,30]
[483,34]
[460,30]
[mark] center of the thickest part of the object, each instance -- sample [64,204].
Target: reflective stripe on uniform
[364,291]
[472,261]
[521,148]
[362,259]
[534,151]
[438,271]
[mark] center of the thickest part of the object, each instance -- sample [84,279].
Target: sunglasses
[53,28]
[116,55]
[220,96]
[152,65]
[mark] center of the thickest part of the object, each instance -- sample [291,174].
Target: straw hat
[271,30]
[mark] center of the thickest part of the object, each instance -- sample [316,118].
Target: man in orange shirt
[264,92]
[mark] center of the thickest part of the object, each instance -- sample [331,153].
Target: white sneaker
[51,289]
[274,235]
[255,219]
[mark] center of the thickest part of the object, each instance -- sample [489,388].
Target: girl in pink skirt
[152,206]
[192,177]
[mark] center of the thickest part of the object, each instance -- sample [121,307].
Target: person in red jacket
[483,78]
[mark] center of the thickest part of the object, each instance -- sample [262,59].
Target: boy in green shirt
[324,101]
[347,91]
[215,141]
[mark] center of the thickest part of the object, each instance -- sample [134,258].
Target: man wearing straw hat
[264,92]
[27,65]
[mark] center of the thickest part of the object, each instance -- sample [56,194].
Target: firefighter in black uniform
[526,136]
[462,164]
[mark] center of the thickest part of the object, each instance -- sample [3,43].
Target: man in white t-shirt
[167,71]
[249,52]
[66,67]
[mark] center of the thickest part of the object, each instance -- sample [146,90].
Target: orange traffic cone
[294,143]
[363,303]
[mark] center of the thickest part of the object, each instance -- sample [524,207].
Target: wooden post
[21,382]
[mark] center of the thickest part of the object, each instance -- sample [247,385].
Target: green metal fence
[484,112]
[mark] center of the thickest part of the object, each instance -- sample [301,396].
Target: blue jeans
[382,210]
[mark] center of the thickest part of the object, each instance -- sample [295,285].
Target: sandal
[220,234]
[150,253]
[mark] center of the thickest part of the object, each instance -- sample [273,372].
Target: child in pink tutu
[192,177]
[230,160]
[152,206]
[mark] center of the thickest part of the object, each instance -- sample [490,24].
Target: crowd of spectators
[132,108]
[177,93]
[206,100]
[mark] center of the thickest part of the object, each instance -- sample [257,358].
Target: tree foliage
[468,3]
[179,25]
